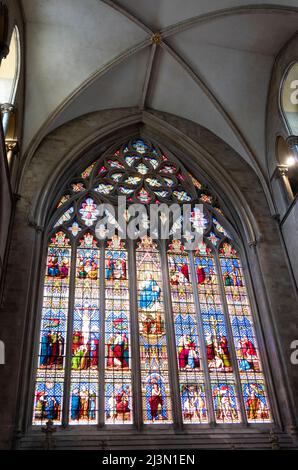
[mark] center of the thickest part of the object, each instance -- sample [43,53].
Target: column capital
[282,170]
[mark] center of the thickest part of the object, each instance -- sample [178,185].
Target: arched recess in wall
[10,70]
[122,319]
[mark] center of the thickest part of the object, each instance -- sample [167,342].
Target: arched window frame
[134,324]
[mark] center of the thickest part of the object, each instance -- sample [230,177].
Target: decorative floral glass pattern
[139,171]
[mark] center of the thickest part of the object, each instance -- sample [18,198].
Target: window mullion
[68,350]
[171,343]
[202,340]
[231,340]
[134,338]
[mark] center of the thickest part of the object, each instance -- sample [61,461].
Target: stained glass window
[118,392]
[132,329]
[48,400]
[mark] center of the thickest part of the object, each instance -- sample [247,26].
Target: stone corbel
[12,149]
[282,170]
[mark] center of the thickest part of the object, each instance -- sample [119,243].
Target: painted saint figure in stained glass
[53,335]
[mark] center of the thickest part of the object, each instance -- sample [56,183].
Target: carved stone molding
[35,226]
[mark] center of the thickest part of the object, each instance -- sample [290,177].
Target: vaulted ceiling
[205,60]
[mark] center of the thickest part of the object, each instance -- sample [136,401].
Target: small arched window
[289,99]
[145,330]
[10,70]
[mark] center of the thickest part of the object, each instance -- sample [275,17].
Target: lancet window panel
[190,371]
[85,333]
[49,386]
[195,341]
[156,397]
[118,360]
[224,392]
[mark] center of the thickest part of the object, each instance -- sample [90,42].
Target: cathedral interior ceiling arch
[130,53]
